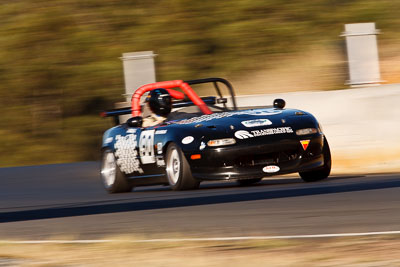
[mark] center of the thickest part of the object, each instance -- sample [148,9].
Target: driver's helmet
[160,102]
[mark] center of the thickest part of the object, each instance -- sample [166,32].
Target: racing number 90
[146,147]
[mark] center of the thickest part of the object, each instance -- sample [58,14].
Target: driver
[160,104]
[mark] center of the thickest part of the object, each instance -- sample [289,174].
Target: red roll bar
[136,110]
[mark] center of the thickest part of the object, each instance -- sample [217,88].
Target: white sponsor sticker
[271,169]
[187,140]
[242,134]
[126,153]
[272,131]
[161,131]
[256,123]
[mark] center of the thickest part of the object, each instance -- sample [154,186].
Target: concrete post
[138,70]
[362,53]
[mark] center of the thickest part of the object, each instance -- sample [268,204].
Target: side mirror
[135,121]
[279,103]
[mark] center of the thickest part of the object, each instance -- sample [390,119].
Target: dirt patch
[360,251]
[377,161]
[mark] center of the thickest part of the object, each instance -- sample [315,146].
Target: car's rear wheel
[114,180]
[324,171]
[178,170]
[248,181]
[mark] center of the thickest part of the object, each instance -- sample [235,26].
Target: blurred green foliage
[59,63]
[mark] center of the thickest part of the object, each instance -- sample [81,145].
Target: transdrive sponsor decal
[256,123]
[243,134]
[214,116]
[305,143]
[271,131]
[271,169]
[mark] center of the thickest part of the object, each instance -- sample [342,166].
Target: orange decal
[305,143]
[195,156]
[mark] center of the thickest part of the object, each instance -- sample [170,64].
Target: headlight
[221,142]
[306,131]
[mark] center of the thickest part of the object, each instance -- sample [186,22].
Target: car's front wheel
[320,173]
[178,170]
[114,180]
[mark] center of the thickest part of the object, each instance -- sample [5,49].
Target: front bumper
[247,161]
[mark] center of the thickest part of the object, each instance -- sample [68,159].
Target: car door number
[146,147]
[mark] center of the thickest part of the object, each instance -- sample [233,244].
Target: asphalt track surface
[67,200]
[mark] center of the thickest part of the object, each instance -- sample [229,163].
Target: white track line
[238,238]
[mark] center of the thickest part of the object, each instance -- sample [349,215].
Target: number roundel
[146,147]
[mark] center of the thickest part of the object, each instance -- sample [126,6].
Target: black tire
[324,171]
[248,181]
[178,170]
[114,180]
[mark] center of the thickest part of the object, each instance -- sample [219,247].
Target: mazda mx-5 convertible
[210,138]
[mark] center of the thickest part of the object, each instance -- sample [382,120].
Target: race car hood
[245,124]
[252,118]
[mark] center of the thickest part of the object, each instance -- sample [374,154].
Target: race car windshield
[186,110]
